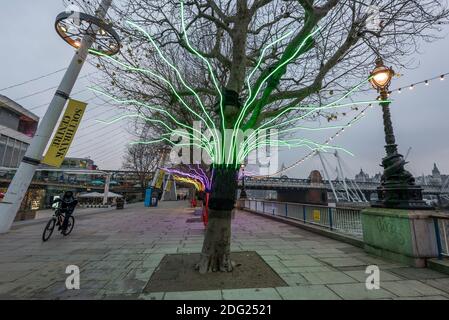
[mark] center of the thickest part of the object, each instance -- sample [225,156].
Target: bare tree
[250,63]
[143,160]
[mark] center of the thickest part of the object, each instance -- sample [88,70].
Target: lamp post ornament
[398,189]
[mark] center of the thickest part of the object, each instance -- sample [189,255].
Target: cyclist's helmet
[68,194]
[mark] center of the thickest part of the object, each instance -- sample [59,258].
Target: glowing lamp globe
[381,75]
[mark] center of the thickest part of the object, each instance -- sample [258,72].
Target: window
[9,151]
[15,154]
[23,149]
[2,148]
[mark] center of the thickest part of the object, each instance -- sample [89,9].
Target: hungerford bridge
[342,189]
[295,190]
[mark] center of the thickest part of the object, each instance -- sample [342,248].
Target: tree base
[216,253]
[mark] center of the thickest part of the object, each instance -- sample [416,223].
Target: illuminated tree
[252,65]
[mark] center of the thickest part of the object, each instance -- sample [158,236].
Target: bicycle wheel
[49,229]
[70,225]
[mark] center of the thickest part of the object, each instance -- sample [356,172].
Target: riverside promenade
[117,252]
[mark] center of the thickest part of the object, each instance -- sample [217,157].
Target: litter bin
[120,203]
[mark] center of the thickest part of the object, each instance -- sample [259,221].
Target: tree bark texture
[215,255]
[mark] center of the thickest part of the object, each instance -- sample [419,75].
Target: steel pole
[33,156]
[342,175]
[106,189]
[328,177]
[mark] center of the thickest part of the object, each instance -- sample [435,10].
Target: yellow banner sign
[168,185]
[159,179]
[64,135]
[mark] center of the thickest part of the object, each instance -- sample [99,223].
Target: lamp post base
[400,197]
[398,189]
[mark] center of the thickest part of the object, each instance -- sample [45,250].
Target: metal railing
[441,223]
[285,183]
[343,220]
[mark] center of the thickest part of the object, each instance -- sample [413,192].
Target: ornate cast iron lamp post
[397,189]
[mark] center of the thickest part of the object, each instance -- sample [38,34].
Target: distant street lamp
[243,191]
[397,189]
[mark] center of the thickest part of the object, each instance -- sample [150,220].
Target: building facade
[17,128]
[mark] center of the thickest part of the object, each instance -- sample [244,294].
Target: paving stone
[125,286]
[327,277]
[442,284]
[422,298]
[310,269]
[251,294]
[309,292]
[143,274]
[294,279]
[361,276]
[267,252]
[358,291]
[410,288]
[194,295]
[302,261]
[418,273]
[343,262]
[152,296]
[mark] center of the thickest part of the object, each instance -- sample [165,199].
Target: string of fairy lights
[361,114]
[426,82]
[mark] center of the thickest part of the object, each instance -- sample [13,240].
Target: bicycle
[57,220]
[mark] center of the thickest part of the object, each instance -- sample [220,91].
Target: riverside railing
[339,219]
[441,223]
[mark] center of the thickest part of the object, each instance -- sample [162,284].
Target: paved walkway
[117,251]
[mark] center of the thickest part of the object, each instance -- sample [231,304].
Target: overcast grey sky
[30,48]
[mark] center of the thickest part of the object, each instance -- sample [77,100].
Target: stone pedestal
[406,236]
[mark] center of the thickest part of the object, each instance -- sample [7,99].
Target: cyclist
[67,205]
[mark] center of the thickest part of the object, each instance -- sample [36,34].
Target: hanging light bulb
[412,87]
[426,82]
[442,77]
[399,90]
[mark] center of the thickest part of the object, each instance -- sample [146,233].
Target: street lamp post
[81,31]
[398,189]
[243,191]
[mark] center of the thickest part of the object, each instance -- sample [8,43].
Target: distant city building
[17,128]
[435,179]
[362,176]
[436,176]
[377,177]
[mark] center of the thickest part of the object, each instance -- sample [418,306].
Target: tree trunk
[215,255]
